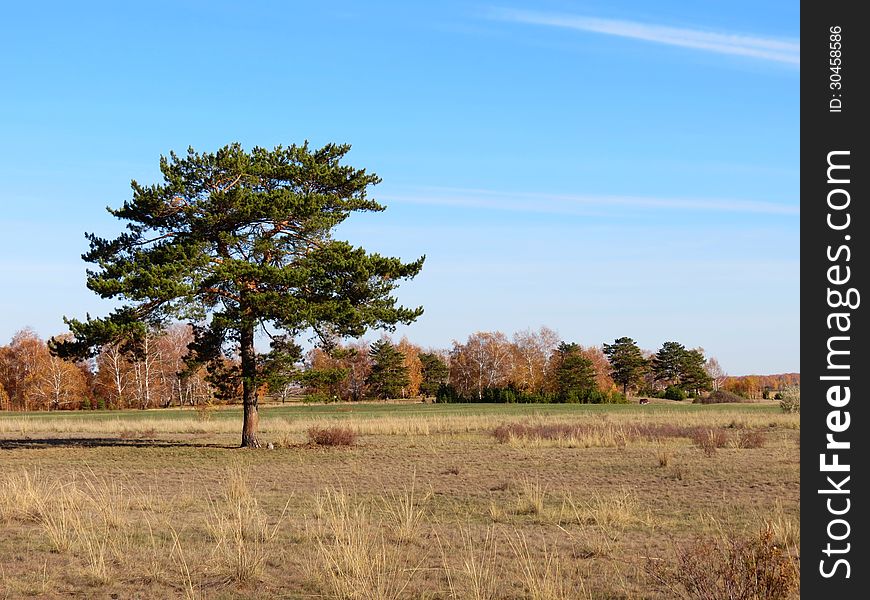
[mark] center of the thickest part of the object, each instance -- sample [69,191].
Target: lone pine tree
[237,242]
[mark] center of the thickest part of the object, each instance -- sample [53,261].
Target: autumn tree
[145,358]
[627,363]
[484,361]
[57,384]
[532,350]
[324,374]
[19,365]
[238,242]
[716,372]
[35,379]
[411,355]
[601,366]
[340,372]
[176,383]
[389,375]
[434,373]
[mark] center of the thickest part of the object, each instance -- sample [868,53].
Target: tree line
[239,243]
[153,370]
[146,372]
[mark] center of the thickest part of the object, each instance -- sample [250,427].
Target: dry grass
[729,567]
[709,440]
[609,435]
[751,438]
[542,572]
[664,456]
[617,510]
[530,500]
[477,574]
[186,516]
[405,511]
[243,537]
[354,559]
[786,528]
[24,495]
[380,423]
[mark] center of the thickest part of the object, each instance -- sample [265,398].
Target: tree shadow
[100,442]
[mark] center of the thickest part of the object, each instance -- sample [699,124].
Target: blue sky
[602,168]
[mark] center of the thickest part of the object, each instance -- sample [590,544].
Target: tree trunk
[249,374]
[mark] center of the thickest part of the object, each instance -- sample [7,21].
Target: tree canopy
[627,362]
[574,372]
[674,365]
[435,373]
[389,373]
[238,242]
[667,362]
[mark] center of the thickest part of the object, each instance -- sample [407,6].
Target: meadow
[429,501]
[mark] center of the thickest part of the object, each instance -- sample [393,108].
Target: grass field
[567,502]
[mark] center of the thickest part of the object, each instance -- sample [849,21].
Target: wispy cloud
[783,51]
[567,204]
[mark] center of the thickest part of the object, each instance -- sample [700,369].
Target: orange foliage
[754,386]
[414,366]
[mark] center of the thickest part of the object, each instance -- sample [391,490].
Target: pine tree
[389,373]
[627,362]
[435,373]
[667,363]
[574,372]
[238,242]
[694,377]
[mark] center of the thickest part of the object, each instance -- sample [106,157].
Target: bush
[791,400]
[672,392]
[86,404]
[729,567]
[446,393]
[751,438]
[778,396]
[317,398]
[709,440]
[510,395]
[720,396]
[332,436]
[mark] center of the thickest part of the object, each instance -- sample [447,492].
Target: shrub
[778,396]
[332,436]
[510,394]
[86,404]
[709,440]
[672,392]
[728,567]
[719,397]
[446,394]
[750,438]
[791,400]
[317,398]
